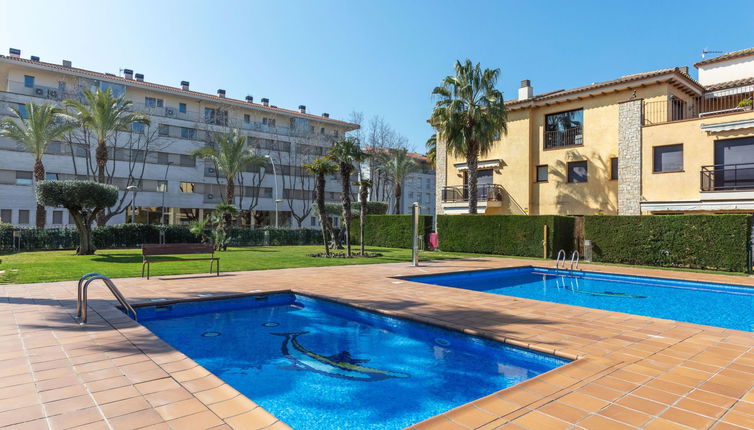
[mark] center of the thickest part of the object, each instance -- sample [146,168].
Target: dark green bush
[393,231]
[519,235]
[718,242]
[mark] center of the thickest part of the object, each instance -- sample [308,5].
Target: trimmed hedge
[719,242]
[134,235]
[392,231]
[517,235]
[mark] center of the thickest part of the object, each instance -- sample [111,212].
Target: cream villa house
[654,142]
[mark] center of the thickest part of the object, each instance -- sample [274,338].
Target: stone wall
[441,174]
[629,157]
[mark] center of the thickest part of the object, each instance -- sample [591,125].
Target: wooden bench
[151,250]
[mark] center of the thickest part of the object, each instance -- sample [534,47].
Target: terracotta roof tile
[726,56]
[177,90]
[730,84]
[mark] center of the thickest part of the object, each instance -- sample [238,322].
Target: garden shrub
[719,242]
[516,235]
[392,231]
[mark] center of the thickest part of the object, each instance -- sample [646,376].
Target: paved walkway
[631,371]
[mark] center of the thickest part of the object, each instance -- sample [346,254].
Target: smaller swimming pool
[316,364]
[719,305]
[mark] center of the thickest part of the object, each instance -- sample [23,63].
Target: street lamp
[132,188]
[164,188]
[275,190]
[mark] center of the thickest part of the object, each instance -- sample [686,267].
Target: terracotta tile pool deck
[630,372]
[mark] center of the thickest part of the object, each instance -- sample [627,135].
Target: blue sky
[379,57]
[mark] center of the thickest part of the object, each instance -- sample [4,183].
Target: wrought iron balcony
[727,177]
[460,193]
[561,138]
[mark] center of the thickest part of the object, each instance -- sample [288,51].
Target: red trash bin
[433,241]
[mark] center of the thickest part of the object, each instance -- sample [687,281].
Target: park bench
[151,250]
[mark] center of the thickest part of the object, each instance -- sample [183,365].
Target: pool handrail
[81,304]
[557,260]
[575,258]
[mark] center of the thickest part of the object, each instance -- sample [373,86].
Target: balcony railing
[727,177]
[460,193]
[561,138]
[713,103]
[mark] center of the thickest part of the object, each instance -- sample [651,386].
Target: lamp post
[164,188]
[275,190]
[132,188]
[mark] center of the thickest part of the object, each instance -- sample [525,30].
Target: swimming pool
[316,364]
[719,305]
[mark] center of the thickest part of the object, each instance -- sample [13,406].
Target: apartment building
[171,186]
[418,187]
[646,143]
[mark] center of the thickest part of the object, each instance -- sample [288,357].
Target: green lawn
[46,266]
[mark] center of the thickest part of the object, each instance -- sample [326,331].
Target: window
[614,168]
[151,102]
[292,123]
[23,178]
[187,161]
[162,186]
[419,197]
[577,171]
[116,90]
[182,107]
[187,187]
[322,130]
[246,118]
[81,150]
[418,182]
[668,158]
[5,215]
[268,122]
[137,127]
[22,110]
[23,216]
[564,129]
[164,130]
[313,221]
[28,81]
[55,148]
[542,173]
[163,158]
[188,133]
[429,199]
[51,176]
[57,217]
[336,133]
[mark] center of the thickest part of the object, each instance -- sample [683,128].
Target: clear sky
[379,57]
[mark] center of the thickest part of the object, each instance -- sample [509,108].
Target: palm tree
[364,186]
[431,145]
[105,115]
[35,130]
[469,116]
[321,167]
[231,156]
[345,153]
[396,168]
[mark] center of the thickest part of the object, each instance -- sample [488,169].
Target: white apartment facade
[418,187]
[172,186]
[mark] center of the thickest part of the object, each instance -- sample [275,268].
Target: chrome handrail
[81,305]
[557,260]
[575,258]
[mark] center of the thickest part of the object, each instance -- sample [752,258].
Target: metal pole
[133,189]
[415,234]
[164,188]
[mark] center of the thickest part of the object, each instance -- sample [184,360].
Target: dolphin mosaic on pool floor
[631,371]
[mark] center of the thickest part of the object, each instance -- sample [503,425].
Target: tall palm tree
[321,167]
[364,186]
[397,166]
[105,115]
[231,156]
[431,145]
[469,116]
[41,124]
[345,153]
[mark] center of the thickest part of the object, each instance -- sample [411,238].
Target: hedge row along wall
[392,231]
[719,242]
[134,235]
[516,235]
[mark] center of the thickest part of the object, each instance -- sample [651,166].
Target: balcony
[714,103]
[727,177]
[562,138]
[460,193]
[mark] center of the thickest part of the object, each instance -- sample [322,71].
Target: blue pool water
[719,305]
[320,365]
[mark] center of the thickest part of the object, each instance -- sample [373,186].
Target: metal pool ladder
[81,302]
[558,260]
[575,258]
